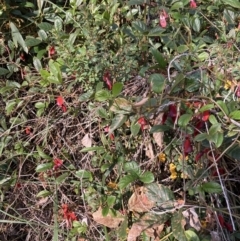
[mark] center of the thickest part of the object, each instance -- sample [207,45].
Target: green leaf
[140,26]
[55,70]
[213,119]
[196,25]
[157,31]
[10,106]
[135,128]
[176,5]
[117,89]
[32,42]
[159,128]
[206,107]
[126,180]
[182,48]
[132,167]
[102,113]
[232,3]
[135,2]
[105,211]
[40,105]
[37,64]
[93,148]
[86,96]
[160,194]
[44,193]
[117,122]
[191,235]
[3,71]
[17,37]
[235,115]
[223,106]
[159,58]
[111,200]
[234,151]
[102,95]
[214,129]
[184,120]
[42,154]
[45,26]
[211,187]
[158,82]
[61,178]
[44,167]
[146,177]
[178,222]
[219,139]
[42,34]
[83,174]
[121,106]
[201,137]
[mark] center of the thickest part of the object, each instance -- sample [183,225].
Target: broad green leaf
[206,107]
[10,106]
[44,193]
[37,64]
[184,120]
[121,106]
[60,179]
[42,154]
[232,3]
[158,82]
[45,26]
[159,58]
[177,5]
[135,128]
[40,105]
[102,95]
[211,187]
[84,174]
[32,41]
[102,113]
[157,31]
[58,24]
[182,48]
[93,148]
[42,34]
[234,151]
[235,115]
[196,25]
[213,119]
[201,137]
[117,89]
[126,180]
[160,194]
[147,177]
[105,211]
[55,70]
[132,166]
[3,71]
[191,235]
[140,26]
[178,222]
[135,2]
[17,37]
[111,200]
[44,167]
[86,96]
[223,106]
[214,129]
[159,128]
[219,139]
[118,121]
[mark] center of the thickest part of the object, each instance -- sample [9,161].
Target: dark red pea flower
[199,155]
[193,4]
[142,122]
[173,112]
[61,102]
[205,115]
[68,215]
[57,163]
[221,220]
[107,79]
[51,51]
[187,146]
[229,226]
[111,136]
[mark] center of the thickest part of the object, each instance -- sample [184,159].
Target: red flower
[173,112]
[237,91]
[187,146]
[142,122]
[162,21]
[199,155]
[221,220]
[107,79]
[193,4]
[60,102]
[51,51]
[57,163]
[28,130]
[229,226]
[205,115]
[68,215]
[106,129]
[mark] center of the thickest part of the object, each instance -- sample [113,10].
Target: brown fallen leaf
[192,219]
[141,102]
[158,136]
[87,141]
[108,221]
[149,151]
[139,201]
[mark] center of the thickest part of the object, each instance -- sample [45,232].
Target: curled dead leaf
[192,219]
[139,201]
[108,221]
[141,102]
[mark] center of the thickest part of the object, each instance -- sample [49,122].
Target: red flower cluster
[107,79]
[224,224]
[61,102]
[57,163]
[68,215]
[51,51]
[162,19]
[172,113]
[142,122]
[193,4]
